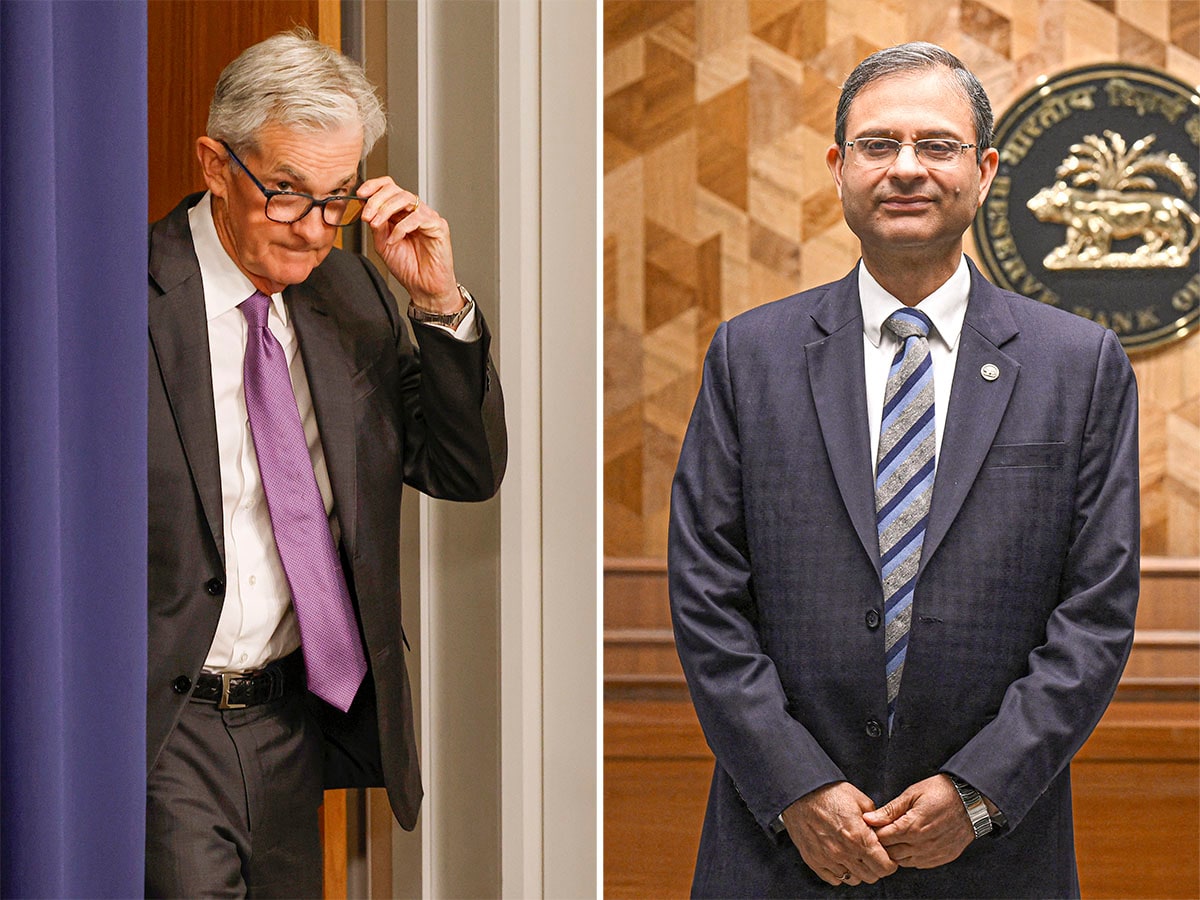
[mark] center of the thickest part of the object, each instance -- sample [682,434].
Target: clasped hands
[846,840]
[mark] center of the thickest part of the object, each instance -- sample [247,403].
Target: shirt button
[215,587]
[872,619]
[253,580]
[874,729]
[245,657]
[181,685]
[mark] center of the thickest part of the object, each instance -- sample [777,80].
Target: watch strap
[450,320]
[977,810]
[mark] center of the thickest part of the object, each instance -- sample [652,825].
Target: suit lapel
[329,381]
[179,340]
[976,405]
[835,371]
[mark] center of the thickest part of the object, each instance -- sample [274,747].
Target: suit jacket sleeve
[452,408]
[771,758]
[1046,716]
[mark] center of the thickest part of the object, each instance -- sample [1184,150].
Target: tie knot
[254,308]
[905,323]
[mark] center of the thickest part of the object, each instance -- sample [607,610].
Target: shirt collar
[225,285]
[946,307]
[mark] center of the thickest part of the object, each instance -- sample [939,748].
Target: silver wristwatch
[976,808]
[450,320]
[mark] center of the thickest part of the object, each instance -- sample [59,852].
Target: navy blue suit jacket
[1024,603]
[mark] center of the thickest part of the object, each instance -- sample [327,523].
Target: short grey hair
[294,80]
[912,57]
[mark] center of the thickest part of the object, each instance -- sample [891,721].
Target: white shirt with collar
[946,308]
[257,623]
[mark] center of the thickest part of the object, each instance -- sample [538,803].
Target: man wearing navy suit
[904,540]
[288,407]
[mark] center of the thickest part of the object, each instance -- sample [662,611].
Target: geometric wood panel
[717,199]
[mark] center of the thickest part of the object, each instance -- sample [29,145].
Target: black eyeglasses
[933,153]
[287,207]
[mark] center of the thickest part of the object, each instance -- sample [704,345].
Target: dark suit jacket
[1024,604]
[388,415]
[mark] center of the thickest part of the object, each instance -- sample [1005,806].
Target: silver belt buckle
[226,680]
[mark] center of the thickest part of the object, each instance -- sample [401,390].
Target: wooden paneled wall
[717,114]
[1136,781]
[189,44]
[1137,823]
[640,660]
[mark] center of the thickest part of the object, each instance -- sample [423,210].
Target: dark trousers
[231,806]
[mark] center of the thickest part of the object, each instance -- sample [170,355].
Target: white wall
[493,112]
[571,453]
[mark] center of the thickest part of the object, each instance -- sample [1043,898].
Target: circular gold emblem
[1094,207]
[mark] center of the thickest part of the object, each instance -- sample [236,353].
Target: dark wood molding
[1171,565]
[1152,566]
[639,646]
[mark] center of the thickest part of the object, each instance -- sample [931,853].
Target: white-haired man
[287,407]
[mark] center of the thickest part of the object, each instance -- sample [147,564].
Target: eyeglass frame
[900,145]
[268,193]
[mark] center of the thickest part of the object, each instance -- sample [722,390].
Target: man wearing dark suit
[900,723]
[276,661]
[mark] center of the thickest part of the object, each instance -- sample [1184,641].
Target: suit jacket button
[872,619]
[874,729]
[181,685]
[215,587]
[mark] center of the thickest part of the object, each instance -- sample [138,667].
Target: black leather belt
[237,690]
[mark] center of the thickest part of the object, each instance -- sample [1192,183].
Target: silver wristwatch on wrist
[450,320]
[976,808]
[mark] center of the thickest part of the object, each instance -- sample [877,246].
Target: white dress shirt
[257,624]
[946,307]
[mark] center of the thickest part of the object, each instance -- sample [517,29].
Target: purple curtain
[73,200]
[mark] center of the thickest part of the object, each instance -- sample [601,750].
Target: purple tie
[333,652]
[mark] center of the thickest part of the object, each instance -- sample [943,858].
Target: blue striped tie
[904,483]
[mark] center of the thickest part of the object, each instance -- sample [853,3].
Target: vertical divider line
[428,750]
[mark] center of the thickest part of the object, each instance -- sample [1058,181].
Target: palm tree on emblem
[1113,195]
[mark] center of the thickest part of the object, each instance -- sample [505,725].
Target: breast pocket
[1048,455]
